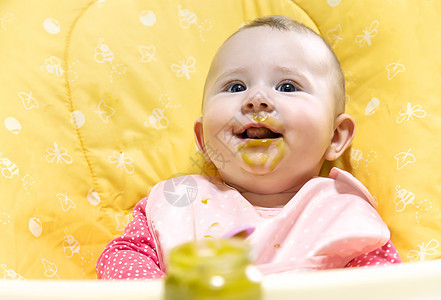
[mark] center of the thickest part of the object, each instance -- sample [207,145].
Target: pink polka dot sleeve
[385,255]
[132,255]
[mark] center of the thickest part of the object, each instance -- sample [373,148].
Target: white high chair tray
[405,281]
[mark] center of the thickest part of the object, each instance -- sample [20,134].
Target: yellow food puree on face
[257,152]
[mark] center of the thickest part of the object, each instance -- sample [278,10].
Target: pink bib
[325,225]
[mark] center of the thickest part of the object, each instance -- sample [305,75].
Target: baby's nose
[257,103]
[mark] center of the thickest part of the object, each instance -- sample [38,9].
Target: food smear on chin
[262,154]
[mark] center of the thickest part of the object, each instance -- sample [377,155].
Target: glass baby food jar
[214,269]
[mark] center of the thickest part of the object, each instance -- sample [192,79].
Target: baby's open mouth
[258,133]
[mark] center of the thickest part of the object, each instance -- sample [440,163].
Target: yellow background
[99,98]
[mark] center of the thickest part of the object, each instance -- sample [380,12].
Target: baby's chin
[261,156]
[258,171]
[265,194]
[259,184]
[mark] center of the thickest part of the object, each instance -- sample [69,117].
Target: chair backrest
[99,98]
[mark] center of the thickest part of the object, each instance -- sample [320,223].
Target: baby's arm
[132,255]
[382,256]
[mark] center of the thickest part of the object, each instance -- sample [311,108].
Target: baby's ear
[199,136]
[343,134]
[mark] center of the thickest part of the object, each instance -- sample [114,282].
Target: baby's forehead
[303,40]
[284,49]
[290,34]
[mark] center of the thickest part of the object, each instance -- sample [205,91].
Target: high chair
[98,104]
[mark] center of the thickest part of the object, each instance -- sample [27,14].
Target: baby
[273,110]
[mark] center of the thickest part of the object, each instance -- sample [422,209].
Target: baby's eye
[236,88]
[287,87]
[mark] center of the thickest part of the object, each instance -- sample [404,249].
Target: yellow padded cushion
[99,99]
[389,52]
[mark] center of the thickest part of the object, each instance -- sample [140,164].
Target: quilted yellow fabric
[99,98]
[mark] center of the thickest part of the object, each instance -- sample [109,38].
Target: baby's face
[268,115]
